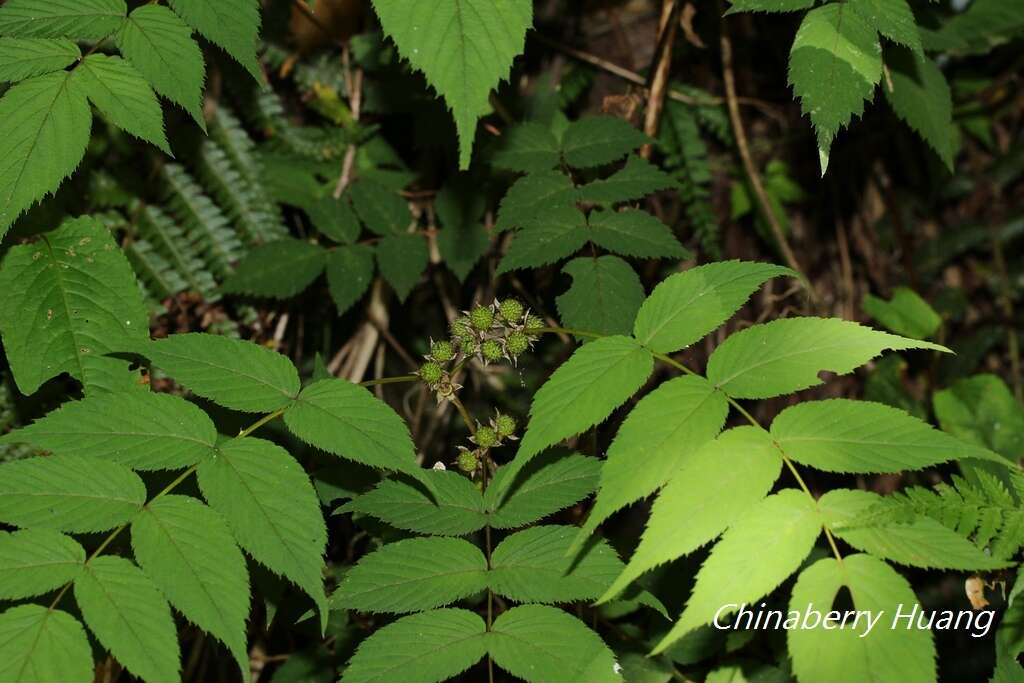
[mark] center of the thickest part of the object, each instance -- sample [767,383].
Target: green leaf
[858,518]
[715,486]
[233,373]
[665,429]
[786,355]
[68,493]
[334,218]
[893,19]
[130,618]
[40,645]
[834,65]
[637,179]
[381,208]
[906,313]
[78,19]
[413,575]
[686,306]
[597,378]
[982,410]
[347,420]
[123,97]
[452,507]
[562,234]
[533,198]
[599,140]
[768,5]
[783,528]
[278,269]
[1008,670]
[142,430]
[160,46]
[463,239]
[272,510]
[842,435]
[349,273]
[921,97]
[22,58]
[545,645]
[604,297]
[527,147]
[44,129]
[636,233]
[553,481]
[422,648]
[37,561]
[463,47]
[188,551]
[852,652]
[232,24]
[402,259]
[533,565]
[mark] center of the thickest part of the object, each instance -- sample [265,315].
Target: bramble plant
[620,425]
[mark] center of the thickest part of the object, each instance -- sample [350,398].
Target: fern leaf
[168,239]
[203,220]
[246,203]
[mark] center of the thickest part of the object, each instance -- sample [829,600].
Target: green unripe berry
[491,350]
[505,425]
[532,323]
[481,318]
[442,351]
[431,372]
[467,461]
[461,327]
[510,310]
[517,343]
[486,437]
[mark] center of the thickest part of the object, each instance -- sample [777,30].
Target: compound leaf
[77,19]
[906,313]
[637,179]
[527,147]
[604,297]
[37,561]
[349,273]
[279,269]
[22,58]
[402,260]
[40,645]
[553,481]
[921,97]
[561,234]
[123,97]
[599,140]
[452,507]
[232,24]
[632,232]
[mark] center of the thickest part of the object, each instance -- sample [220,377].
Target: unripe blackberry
[510,310]
[467,461]
[491,350]
[481,318]
[486,437]
[461,327]
[517,343]
[505,425]
[532,322]
[442,351]
[431,372]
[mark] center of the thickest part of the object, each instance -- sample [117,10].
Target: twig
[659,81]
[354,83]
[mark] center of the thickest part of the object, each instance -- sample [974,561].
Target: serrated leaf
[232,24]
[22,58]
[922,542]
[981,410]
[553,481]
[632,232]
[44,129]
[768,5]
[279,269]
[130,618]
[463,47]
[604,296]
[380,208]
[420,648]
[412,575]
[686,306]
[534,565]
[37,561]
[452,507]
[68,493]
[545,645]
[533,198]
[1008,670]
[142,430]
[402,260]
[851,651]
[834,65]
[660,434]
[188,551]
[40,645]
[637,179]
[906,313]
[233,373]
[597,378]
[84,301]
[712,489]
[334,218]
[160,46]
[563,233]
[349,273]
[842,435]
[78,19]
[599,140]
[921,97]
[783,528]
[893,19]
[272,510]
[786,355]
[347,420]
[527,147]
[463,239]
[123,97]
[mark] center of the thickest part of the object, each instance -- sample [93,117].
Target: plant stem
[389,380]
[464,413]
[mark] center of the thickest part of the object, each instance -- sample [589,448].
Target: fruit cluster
[501,428]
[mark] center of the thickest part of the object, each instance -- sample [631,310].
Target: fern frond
[205,223]
[308,141]
[169,240]
[687,159]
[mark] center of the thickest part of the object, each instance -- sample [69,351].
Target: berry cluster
[501,428]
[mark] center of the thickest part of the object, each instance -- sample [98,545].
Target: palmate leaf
[236,374]
[123,97]
[786,355]
[562,233]
[604,297]
[599,140]
[659,435]
[714,487]
[851,653]
[279,269]
[44,129]
[921,97]
[463,47]
[84,303]
[783,527]
[78,19]
[37,561]
[188,551]
[232,24]
[142,430]
[22,58]
[130,618]
[40,645]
